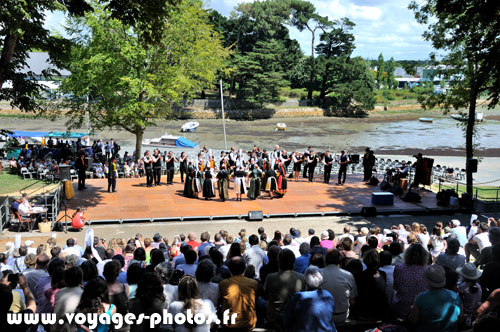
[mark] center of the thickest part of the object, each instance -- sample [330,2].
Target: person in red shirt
[192,241]
[78,220]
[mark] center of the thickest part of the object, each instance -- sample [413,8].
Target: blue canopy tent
[66,134]
[185,143]
[20,133]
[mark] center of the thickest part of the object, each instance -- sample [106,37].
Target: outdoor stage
[133,201]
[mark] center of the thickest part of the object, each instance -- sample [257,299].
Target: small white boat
[429,120]
[464,117]
[280,126]
[190,126]
[164,141]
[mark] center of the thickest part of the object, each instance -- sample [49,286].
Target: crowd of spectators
[402,276]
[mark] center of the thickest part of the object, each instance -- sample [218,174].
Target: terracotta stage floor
[133,200]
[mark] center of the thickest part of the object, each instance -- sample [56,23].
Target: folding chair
[29,223]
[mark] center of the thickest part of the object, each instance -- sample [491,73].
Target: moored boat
[190,126]
[429,120]
[280,126]
[167,141]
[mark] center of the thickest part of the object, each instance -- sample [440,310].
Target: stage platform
[134,202]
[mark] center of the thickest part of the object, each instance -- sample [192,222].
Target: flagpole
[223,120]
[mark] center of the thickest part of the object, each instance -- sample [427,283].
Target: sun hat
[469,271]
[435,276]
[455,222]
[325,235]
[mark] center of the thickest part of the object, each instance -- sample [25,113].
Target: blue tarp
[185,143]
[19,133]
[66,135]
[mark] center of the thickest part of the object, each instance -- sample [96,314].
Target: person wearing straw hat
[437,309]
[470,291]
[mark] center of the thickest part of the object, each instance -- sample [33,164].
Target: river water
[443,139]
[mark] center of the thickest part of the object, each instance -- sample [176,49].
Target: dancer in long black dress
[188,185]
[208,185]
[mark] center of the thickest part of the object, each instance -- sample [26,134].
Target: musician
[327,161]
[343,160]
[148,166]
[183,166]
[240,163]
[170,167]
[232,157]
[81,166]
[419,171]
[157,158]
[113,174]
[265,155]
[402,172]
[275,155]
[223,183]
[208,185]
[286,160]
[306,156]
[368,163]
[198,180]
[224,161]
[297,164]
[312,161]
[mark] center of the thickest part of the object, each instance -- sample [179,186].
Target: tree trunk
[138,143]
[9,46]
[469,135]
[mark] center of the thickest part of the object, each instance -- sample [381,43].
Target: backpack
[57,227]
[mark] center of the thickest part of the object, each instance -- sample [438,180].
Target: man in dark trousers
[170,167]
[368,163]
[307,154]
[81,166]
[157,166]
[112,173]
[343,160]
[148,167]
[328,162]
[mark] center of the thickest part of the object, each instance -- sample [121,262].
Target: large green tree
[131,81]
[22,30]
[467,32]
[391,81]
[380,71]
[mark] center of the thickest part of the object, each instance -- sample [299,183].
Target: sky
[382,26]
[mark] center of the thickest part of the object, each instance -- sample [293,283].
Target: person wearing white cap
[470,291]
[437,309]
[29,245]
[459,231]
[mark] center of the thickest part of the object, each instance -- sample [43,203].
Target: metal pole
[87,116]
[223,119]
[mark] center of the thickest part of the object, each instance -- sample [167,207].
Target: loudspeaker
[255,216]
[466,201]
[369,211]
[354,158]
[472,165]
[396,190]
[373,181]
[64,172]
[384,185]
[412,197]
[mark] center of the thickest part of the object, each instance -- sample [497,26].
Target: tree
[391,81]
[380,71]
[22,23]
[132,82]
[303,17]
[467,33]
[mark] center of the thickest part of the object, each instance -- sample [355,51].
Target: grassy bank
[483,192]
[10,184]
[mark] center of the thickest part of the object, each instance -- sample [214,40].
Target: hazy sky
[385,26]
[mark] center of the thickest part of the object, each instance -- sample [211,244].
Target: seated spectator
[189,299]
[190,266]
[108,257]
[385,266]
[204,275]
[310,310]
[302,262]
[95,300]
[238,295]
[470,292]
[489,280]
[316,247]
[409,279]
[280,286]
[437,243]
[71,249]
[134,275]
[149,299]
[478,242]
[67,299]
[437,309]
[451,257]
[485,255]
[371,284]
[396,250]
[7,300]
[255,255]
[325,241]
[459,231]
[202,249]
[317,260]
[221,270]
[287,244]
[340,284]
[118,292]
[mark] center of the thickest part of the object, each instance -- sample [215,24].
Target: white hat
[9,245]
[325,235]
[456,222]
[28,243]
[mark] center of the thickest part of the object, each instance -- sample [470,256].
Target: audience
[287,284]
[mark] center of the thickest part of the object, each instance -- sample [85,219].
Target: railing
[5,214]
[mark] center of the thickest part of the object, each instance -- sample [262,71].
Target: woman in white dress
[189,299]
[437,242]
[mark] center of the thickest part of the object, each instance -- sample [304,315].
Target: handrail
[4,213]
